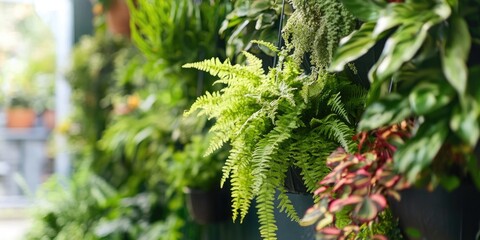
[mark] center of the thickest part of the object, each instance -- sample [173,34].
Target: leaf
[379,200]
[450,182]
[257,7]
[365,10]
[428,97]
[366,211]
[339,204]
[362,178]
[394,15]
[353,46]
[336,157]
[413,232]
[392,109]
[418,152]
[464,121]
[455,54]
[399,48]
[312,215]
[327,220]
[331,231]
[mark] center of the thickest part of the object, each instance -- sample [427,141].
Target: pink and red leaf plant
[359,183]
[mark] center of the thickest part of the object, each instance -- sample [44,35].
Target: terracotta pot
[118,18]
[21,118]
[49,119]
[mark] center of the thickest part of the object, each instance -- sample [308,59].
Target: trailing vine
[315,28]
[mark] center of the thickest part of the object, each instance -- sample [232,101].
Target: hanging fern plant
[274,121]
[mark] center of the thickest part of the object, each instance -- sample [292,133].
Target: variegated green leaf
[455,54]
[418,152]
[365,10]
[353,46]
[399,48]
[392,109]
[464,122]
[428,97]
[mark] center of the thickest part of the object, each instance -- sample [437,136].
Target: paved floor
[13,229]
[14,220]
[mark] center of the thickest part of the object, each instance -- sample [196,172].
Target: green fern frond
[228,73]
[309,149]
[285,205]
[268,45]
[269,146]
[203,103]
[254,62]
[337,106]
[265,210]
[336,130]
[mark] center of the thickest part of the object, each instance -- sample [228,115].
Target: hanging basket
[439,215]
[294,182]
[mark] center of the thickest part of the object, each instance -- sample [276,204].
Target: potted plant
[426,72]
[352,198]
[117,15]
[294,115]
[20,113]
[199,176]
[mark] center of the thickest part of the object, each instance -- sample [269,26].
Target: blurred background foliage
[133,150]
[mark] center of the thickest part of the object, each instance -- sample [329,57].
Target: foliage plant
[177,31]
[315,28]
[294,115]
[169,34]
[252,20]
[430,58]
[274,121]
[359,184]
[87,207]
[90,76]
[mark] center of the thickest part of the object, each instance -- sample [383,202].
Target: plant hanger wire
[279,39]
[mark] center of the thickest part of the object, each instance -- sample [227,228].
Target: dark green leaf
[455,54]
[399,48]
[353,46]
[473,166]
[394,108]
[365,10]
[413,233]
[450,182]
[418,152]
[394,15]
[428,97]
[257,7]
[464,121]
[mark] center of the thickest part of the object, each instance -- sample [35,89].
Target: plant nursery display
[368,108]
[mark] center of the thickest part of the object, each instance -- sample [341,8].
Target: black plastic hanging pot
[439,215]
[206,207]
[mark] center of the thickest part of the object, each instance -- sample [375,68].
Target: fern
[338,107]
[269,121]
